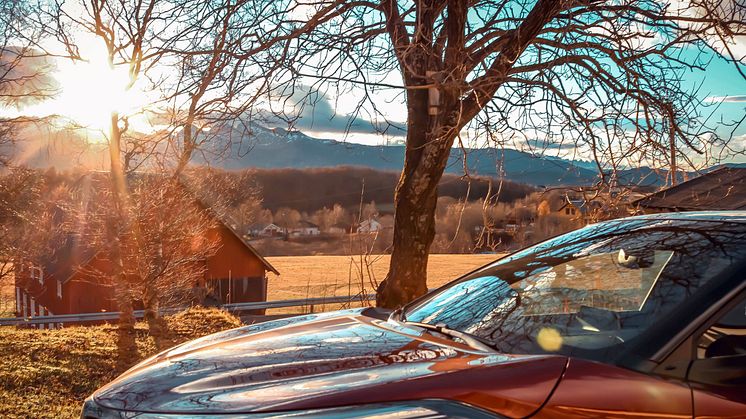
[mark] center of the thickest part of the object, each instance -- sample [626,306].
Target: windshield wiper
[471,340]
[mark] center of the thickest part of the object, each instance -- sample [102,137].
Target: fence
[237,308]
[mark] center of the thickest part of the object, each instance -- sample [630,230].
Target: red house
[69,280]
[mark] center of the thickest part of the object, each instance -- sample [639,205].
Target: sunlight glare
[91,90]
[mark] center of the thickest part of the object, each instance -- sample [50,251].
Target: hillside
[278,148]
[313,188]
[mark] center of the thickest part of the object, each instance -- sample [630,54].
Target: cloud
[313,110]
[740,140]
[726,99]
[26,75]
[543,144]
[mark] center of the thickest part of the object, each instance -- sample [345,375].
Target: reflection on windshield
[589,291]
[598,281]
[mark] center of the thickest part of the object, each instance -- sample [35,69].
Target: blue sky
[720,80]
[332,116]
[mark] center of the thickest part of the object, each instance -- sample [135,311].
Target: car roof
[728,216]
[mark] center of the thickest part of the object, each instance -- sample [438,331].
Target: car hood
[327,360]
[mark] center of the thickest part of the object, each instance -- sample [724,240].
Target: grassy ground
[324,276]
[48,373]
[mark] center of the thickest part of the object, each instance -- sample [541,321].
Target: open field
[324,276]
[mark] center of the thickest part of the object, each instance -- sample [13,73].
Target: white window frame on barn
[19,304]
[35,271]
[59,289]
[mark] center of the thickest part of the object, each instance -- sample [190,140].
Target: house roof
[307,224]
[230,228]
[582,205]
[721,189]
[67,258]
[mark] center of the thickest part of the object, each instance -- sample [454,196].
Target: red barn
[69,280]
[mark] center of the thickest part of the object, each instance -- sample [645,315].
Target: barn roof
[67,258]
[239,236]
[721,189]
[228,225]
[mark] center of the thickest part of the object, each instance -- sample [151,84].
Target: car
[639,317]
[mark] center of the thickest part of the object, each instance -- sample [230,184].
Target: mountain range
[278,148]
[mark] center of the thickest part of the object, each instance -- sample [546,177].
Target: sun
[90,90]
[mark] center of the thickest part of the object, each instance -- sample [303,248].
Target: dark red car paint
[331,360]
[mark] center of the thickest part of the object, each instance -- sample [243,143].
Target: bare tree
[604,77]
[169,259]
[24,69]
[126,30]
[196,60]
[164,262]
[24,79]
[30,208]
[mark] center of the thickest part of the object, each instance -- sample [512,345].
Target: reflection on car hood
[327,360]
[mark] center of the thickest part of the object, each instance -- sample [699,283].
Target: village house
[579,210]
[369,226]
[73,278]
[267,230]
[305,228]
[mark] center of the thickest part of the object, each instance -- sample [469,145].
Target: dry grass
[48,373]
[324,276]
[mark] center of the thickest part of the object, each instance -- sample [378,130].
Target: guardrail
[235,307]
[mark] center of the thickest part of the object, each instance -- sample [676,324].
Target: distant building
[579,210]
[721,189]
[267,230]
[369,226]
[305,229]
[74,278]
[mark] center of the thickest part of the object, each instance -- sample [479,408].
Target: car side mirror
[719,371]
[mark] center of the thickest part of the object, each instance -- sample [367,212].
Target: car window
[595,281]
[727,336]
[590,292]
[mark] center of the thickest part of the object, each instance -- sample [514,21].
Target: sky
[90,91]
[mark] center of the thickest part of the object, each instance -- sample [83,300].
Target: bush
[198,321]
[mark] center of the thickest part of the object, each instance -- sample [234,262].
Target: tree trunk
[126,343]
[127,353]
[116,232]
[157,328]
[428,148]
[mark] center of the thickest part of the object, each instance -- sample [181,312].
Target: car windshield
[589,292]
